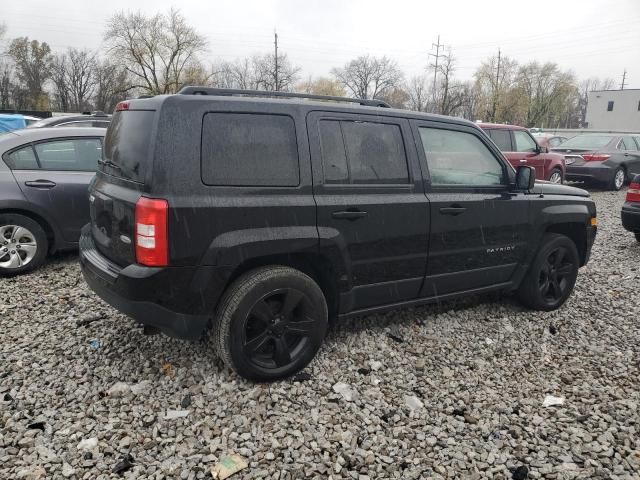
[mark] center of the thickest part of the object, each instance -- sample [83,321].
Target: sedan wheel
[18,246]
[618,179]
[23,244]
[556,177]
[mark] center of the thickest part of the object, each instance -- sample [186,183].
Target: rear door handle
[523,160]
[452,210]
[40,183]
[349,214]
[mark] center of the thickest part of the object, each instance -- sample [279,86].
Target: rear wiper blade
[109,163]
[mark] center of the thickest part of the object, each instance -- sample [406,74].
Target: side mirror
[525,178]
[541,149]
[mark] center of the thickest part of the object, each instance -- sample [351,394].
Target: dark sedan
[607,159]
[631,208]
[44,177]
[94,119]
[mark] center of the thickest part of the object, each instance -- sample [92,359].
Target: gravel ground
[447,391]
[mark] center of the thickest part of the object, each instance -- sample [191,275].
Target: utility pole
[624,77]
[435,67]
[276,58]
[495,93]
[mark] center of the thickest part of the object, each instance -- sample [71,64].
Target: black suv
[257,219]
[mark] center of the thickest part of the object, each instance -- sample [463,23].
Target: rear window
[243,149]
[127,144]
[588,141]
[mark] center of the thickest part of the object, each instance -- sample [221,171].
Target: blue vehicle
[9,122]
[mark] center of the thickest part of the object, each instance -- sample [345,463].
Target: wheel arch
[46,225]
[316,266]
[576,232]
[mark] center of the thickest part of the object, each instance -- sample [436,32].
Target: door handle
[452,210]
[40,183]
[523,160]
[349,214]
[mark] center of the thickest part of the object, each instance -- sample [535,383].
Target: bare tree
[494,78]
[449,95]
[321,86]
[369,77]
[59,77]
[112,85]
[419,93]
[157,51]
[32,61]
[268,78]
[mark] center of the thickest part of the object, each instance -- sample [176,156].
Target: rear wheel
[552,275]
[23,244]
[270,323]
[617,180]
[556,176]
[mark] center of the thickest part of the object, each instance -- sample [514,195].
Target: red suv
[520,148]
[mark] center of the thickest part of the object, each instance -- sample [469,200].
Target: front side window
[243,149]
[524,142]
[459,158]
[22,159]
[76,154]
[502,138]
[555,141]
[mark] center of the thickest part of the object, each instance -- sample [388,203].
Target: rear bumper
[165,298]
[631,216]
[591,171]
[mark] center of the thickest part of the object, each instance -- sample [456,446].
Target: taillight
[595,157]
[122,106]
[152,232]
[633,194]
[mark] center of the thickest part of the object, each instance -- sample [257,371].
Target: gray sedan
[44,176]
[608,159]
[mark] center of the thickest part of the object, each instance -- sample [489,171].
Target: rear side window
[502,138]
[363,153]
[127,144]
[630,143]
[77,154]
[22,159]
[459,158]
[241,149]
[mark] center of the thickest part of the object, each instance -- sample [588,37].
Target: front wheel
[270,323]
[556,176]
[552,275]
[23,244]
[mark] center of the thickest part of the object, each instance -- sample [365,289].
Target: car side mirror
[525,178]
[542,149]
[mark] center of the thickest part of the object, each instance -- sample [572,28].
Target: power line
[435,67]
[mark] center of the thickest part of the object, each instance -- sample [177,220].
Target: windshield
[588,141]
[127,144]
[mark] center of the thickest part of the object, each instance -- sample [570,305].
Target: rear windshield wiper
[109,163]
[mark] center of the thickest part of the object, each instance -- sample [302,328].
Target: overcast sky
[590,37]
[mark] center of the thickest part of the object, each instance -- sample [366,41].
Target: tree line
[161,53]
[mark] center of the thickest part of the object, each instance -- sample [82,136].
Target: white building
[617,110]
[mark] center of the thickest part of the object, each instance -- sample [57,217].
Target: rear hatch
[120,181]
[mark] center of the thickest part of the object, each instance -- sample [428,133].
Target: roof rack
[266,93]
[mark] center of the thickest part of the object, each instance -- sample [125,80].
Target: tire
[556,173]
[270,323]
[638,237]
[23,244]
[539,290]
[617,179]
